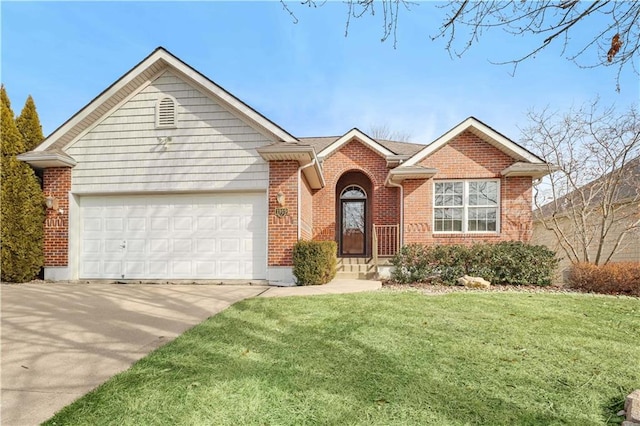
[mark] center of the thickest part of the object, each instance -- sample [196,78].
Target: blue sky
[306,77]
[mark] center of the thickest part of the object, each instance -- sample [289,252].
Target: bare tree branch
[595,194]
[382,131]
[612,27]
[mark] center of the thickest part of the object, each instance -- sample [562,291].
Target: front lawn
[386,358]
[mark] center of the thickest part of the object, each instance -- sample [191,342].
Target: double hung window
[466,206]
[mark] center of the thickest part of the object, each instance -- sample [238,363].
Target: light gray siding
[628,251]
[211,149]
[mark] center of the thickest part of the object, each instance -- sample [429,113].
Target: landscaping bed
[429,288]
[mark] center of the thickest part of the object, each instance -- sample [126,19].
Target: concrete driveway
[59,341]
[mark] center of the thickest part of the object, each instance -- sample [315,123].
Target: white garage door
[173,236]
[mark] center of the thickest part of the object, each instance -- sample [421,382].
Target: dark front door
[353,232]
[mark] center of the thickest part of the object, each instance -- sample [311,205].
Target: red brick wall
[353,156]
[57,183]
[306,209]
[283,231]
[468,157]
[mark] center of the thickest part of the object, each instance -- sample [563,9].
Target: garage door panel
[174,236]
[206,245]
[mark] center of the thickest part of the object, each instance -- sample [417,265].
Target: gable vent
[166,112]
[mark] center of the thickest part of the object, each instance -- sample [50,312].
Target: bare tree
[616,43]
[591,203]
[549,22]
[382,131]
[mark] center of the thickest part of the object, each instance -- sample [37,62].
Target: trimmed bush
[613,278]
[510,262]
[314,262]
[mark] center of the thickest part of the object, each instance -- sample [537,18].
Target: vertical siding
[211,149]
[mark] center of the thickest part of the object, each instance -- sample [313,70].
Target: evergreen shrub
[314,262]
[22,206]
[509,262]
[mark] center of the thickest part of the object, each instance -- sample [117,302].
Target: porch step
[356,275]
[356,268]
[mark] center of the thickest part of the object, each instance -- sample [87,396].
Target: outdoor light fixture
[51,202]
[280,199]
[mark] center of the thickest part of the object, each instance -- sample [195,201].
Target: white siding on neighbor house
[210,148]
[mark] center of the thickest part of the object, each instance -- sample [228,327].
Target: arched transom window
[352,192]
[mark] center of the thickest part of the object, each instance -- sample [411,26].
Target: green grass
[386,358]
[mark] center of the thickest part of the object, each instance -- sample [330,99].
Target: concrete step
[356,275]
[356,268]
[354,260]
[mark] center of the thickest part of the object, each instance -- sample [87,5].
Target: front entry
[353,221]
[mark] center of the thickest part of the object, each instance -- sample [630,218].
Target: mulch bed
[428,288]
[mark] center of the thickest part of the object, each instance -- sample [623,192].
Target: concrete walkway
[338,286]
[61,340]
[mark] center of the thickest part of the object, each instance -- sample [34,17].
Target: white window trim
[175,113]
[465,207]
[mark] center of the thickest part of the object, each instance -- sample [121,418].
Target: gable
[467,156]
[159,60]
[483,132]
[355,155]
[210,148]
[360,136]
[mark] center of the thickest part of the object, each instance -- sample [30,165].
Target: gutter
[388,182]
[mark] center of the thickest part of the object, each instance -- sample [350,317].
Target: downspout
[397,185]
[312,163]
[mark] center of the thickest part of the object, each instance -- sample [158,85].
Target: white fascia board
[499,140]
[536,171]
[355,133]
[43,160]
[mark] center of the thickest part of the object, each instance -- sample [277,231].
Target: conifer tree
[21,205]
[29,125]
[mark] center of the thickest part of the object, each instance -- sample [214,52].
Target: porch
[385,244]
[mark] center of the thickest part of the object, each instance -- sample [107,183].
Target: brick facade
[382,202]
[283,231]
[468,157]
[464,157]
[306,210]
[57,183]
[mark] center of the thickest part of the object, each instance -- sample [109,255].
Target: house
[166,175]
[575,221]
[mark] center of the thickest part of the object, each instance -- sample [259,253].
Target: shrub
[314,262]
[516,263]
[612,278]
[511,262]
[411,264]
[22,208]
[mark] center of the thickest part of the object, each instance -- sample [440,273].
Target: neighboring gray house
[559,214]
